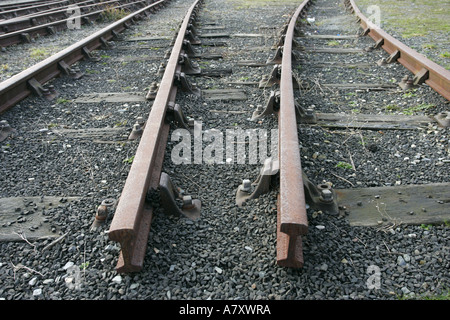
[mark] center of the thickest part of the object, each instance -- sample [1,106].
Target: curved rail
[25,35]
[19,9]
[23,84]
[292,220]
[132,218]
[424,69]
[29,21]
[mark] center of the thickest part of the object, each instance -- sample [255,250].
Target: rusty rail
[29,21]
[132,218]
[32,79]
[12,11]
[424,69]
[292,220]
[25,35]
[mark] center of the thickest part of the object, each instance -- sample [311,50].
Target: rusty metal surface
[20,9]
[16,88]
[130,225]
[31,20]
[15,37]
[292,221]
[438,77]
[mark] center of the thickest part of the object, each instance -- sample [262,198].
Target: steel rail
[37,13]
[424,69]
[19,86]
[292,221]
[18,36]
[17,12]
[25,4]
[132,218]
[21,23]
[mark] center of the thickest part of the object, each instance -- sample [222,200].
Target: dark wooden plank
[372,121]
[334,50]
[214,35]
[215,72]
[117,133]
[119,97]
[251,63]
[23,217]
[331,36]
[409,204]
[224,94]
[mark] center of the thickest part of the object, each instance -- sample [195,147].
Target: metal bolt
[187,200]
[327,195]
[188,203]
[246,185]
[4,124]
[140,121]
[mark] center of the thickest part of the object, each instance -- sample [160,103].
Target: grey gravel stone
[208,258]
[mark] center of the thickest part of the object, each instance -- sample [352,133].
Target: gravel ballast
[230,252]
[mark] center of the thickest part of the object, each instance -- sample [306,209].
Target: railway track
[172,144]
[26,28]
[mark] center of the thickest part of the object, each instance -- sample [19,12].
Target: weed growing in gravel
[333,43]
[111,14]
[344,165]
[421,107]
[410,93]
[429,46]
[62,101]
[445,295]
[445,54]
[128,160]
[391,107]
[37,53]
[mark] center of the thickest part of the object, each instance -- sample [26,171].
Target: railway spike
[273,78]
[320,197]
[175,114]
[188,66]
[186,86]
[443,118]
[153,90]
[261,185]
[5,130]
[102,213]
[304,115]
[272,105]
[169,195]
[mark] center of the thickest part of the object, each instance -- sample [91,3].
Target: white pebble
[320,227]
[117,279]
[68,265]
[37,292]
[32,282]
